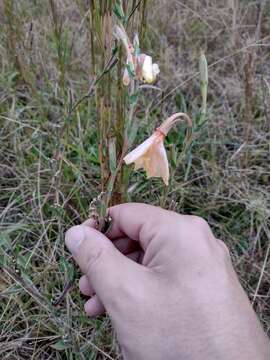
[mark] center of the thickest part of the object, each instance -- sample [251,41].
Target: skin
[168,286]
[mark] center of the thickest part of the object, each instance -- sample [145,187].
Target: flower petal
[120,34]
[147,69]
[156,162]
[126,77]
[156,70]
[140,150]
[139,63]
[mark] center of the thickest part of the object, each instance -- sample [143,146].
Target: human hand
[179,299]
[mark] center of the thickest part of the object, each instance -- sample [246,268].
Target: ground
[224,177]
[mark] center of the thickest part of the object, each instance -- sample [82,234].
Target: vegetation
[64,117]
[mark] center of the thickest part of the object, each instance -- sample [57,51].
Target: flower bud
[204,81]
[149,70]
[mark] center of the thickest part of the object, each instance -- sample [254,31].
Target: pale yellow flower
[149,70]
[151,154]
[141,65]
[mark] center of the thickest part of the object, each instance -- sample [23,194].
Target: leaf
[3,260]
[134,97]
[132,132]
[5,239]
[118,10]
[67,268]
[5,236]
[114,50]
[136,45]
[130,69]
[200,121]
[180,102]
[189,163]
[23,260]
[12,77]
[173,155]
[60,345]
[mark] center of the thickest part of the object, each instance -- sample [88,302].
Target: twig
[31,290]
[133,10]
[68,286]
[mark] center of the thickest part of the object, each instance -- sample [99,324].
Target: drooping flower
[151,154]
[139,66]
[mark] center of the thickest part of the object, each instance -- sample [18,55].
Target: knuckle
[199,223]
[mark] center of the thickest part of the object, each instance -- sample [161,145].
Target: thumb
[108,271]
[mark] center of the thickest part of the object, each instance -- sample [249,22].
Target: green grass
[50,172]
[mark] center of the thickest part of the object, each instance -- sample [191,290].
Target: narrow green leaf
[136,45]
[130,69]
[134,97]
[67,268]
[60,345]
[189,163]
[4,239]
[118,10]
[132,132]
[23,260]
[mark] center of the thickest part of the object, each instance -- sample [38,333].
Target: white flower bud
[149,72]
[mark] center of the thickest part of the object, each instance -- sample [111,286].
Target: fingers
[123,244]
[84,284]
[126,246]
[136,256]
[85,287]
[107,270]
[93,307]
[136,221]
[132,221]
[90,222]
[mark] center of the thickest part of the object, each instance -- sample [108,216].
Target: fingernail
[74,237]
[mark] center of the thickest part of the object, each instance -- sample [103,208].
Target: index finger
[136,221]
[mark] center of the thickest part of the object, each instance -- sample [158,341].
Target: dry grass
[48,177]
